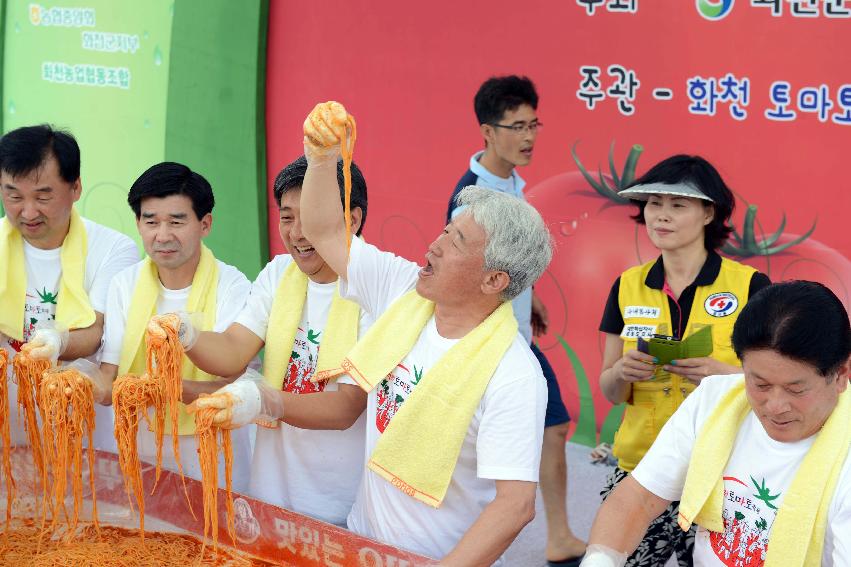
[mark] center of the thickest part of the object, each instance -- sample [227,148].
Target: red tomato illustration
[782,256]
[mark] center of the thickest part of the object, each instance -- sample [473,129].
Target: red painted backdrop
[408,73]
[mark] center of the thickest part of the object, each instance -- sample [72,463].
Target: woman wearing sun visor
[686,207]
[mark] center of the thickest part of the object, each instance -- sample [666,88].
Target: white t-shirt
[756,479]
[107,253]
[311,472]
[231,293]
[503,441]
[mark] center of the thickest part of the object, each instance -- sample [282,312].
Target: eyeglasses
[531,127]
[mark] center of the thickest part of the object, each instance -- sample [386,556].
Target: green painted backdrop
[142,82]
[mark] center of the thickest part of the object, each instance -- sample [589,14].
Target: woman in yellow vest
[686,207]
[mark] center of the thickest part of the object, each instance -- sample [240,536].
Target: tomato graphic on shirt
[302,364]
[388,404]
[744,542]
[392,392]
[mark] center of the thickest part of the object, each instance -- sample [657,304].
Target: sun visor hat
[643,192]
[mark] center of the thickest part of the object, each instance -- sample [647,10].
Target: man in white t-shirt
[472,269]
[173,207]
[311,472]
[777,438]
[55,266]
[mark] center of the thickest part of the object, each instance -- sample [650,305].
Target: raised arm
[321,211]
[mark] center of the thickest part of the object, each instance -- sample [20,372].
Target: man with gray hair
[454,430]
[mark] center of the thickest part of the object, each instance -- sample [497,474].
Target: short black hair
[24,150]
[700,173]
[799,319]
[499,94]
[292,177]
[170,178]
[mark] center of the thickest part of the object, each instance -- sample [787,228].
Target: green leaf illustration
[764,493]
[586,427]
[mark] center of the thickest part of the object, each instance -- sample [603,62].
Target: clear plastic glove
[597,555]
[101,385]
[49,341]
[188,326]
[243,401]
[324,129]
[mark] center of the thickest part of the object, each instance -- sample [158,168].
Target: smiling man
[296,312]
[506,109]
[55,266]
[760,462]
[173,207]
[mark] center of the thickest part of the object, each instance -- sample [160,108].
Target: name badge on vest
[636,331]
[644,311]
[721,304]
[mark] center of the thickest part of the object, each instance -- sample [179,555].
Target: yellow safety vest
[645,312]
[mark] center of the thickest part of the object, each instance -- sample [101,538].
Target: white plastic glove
[101,385]
[243,401]
[188,326]
[49,341]
[323,131]
[597,555]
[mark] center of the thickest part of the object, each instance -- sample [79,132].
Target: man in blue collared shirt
[506,109]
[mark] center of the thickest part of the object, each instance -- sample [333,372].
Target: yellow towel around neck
[202,299]
[419,449]
[73,308]
[338,337]
[797,536]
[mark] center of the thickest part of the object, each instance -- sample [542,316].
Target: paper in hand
[695,345]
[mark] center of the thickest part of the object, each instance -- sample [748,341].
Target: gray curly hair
[518,242]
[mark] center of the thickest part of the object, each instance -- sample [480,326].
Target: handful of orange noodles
[68,415]
[208,457]
[131,396]
[28,375]
[161,388]
[164,362]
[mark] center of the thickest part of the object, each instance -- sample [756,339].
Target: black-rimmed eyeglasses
[531,127]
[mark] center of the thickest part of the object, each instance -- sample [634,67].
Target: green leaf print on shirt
[313,336]
[47,297]
[418,375]
[764,494]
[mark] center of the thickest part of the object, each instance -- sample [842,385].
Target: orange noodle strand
[5,435]
[347,154]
